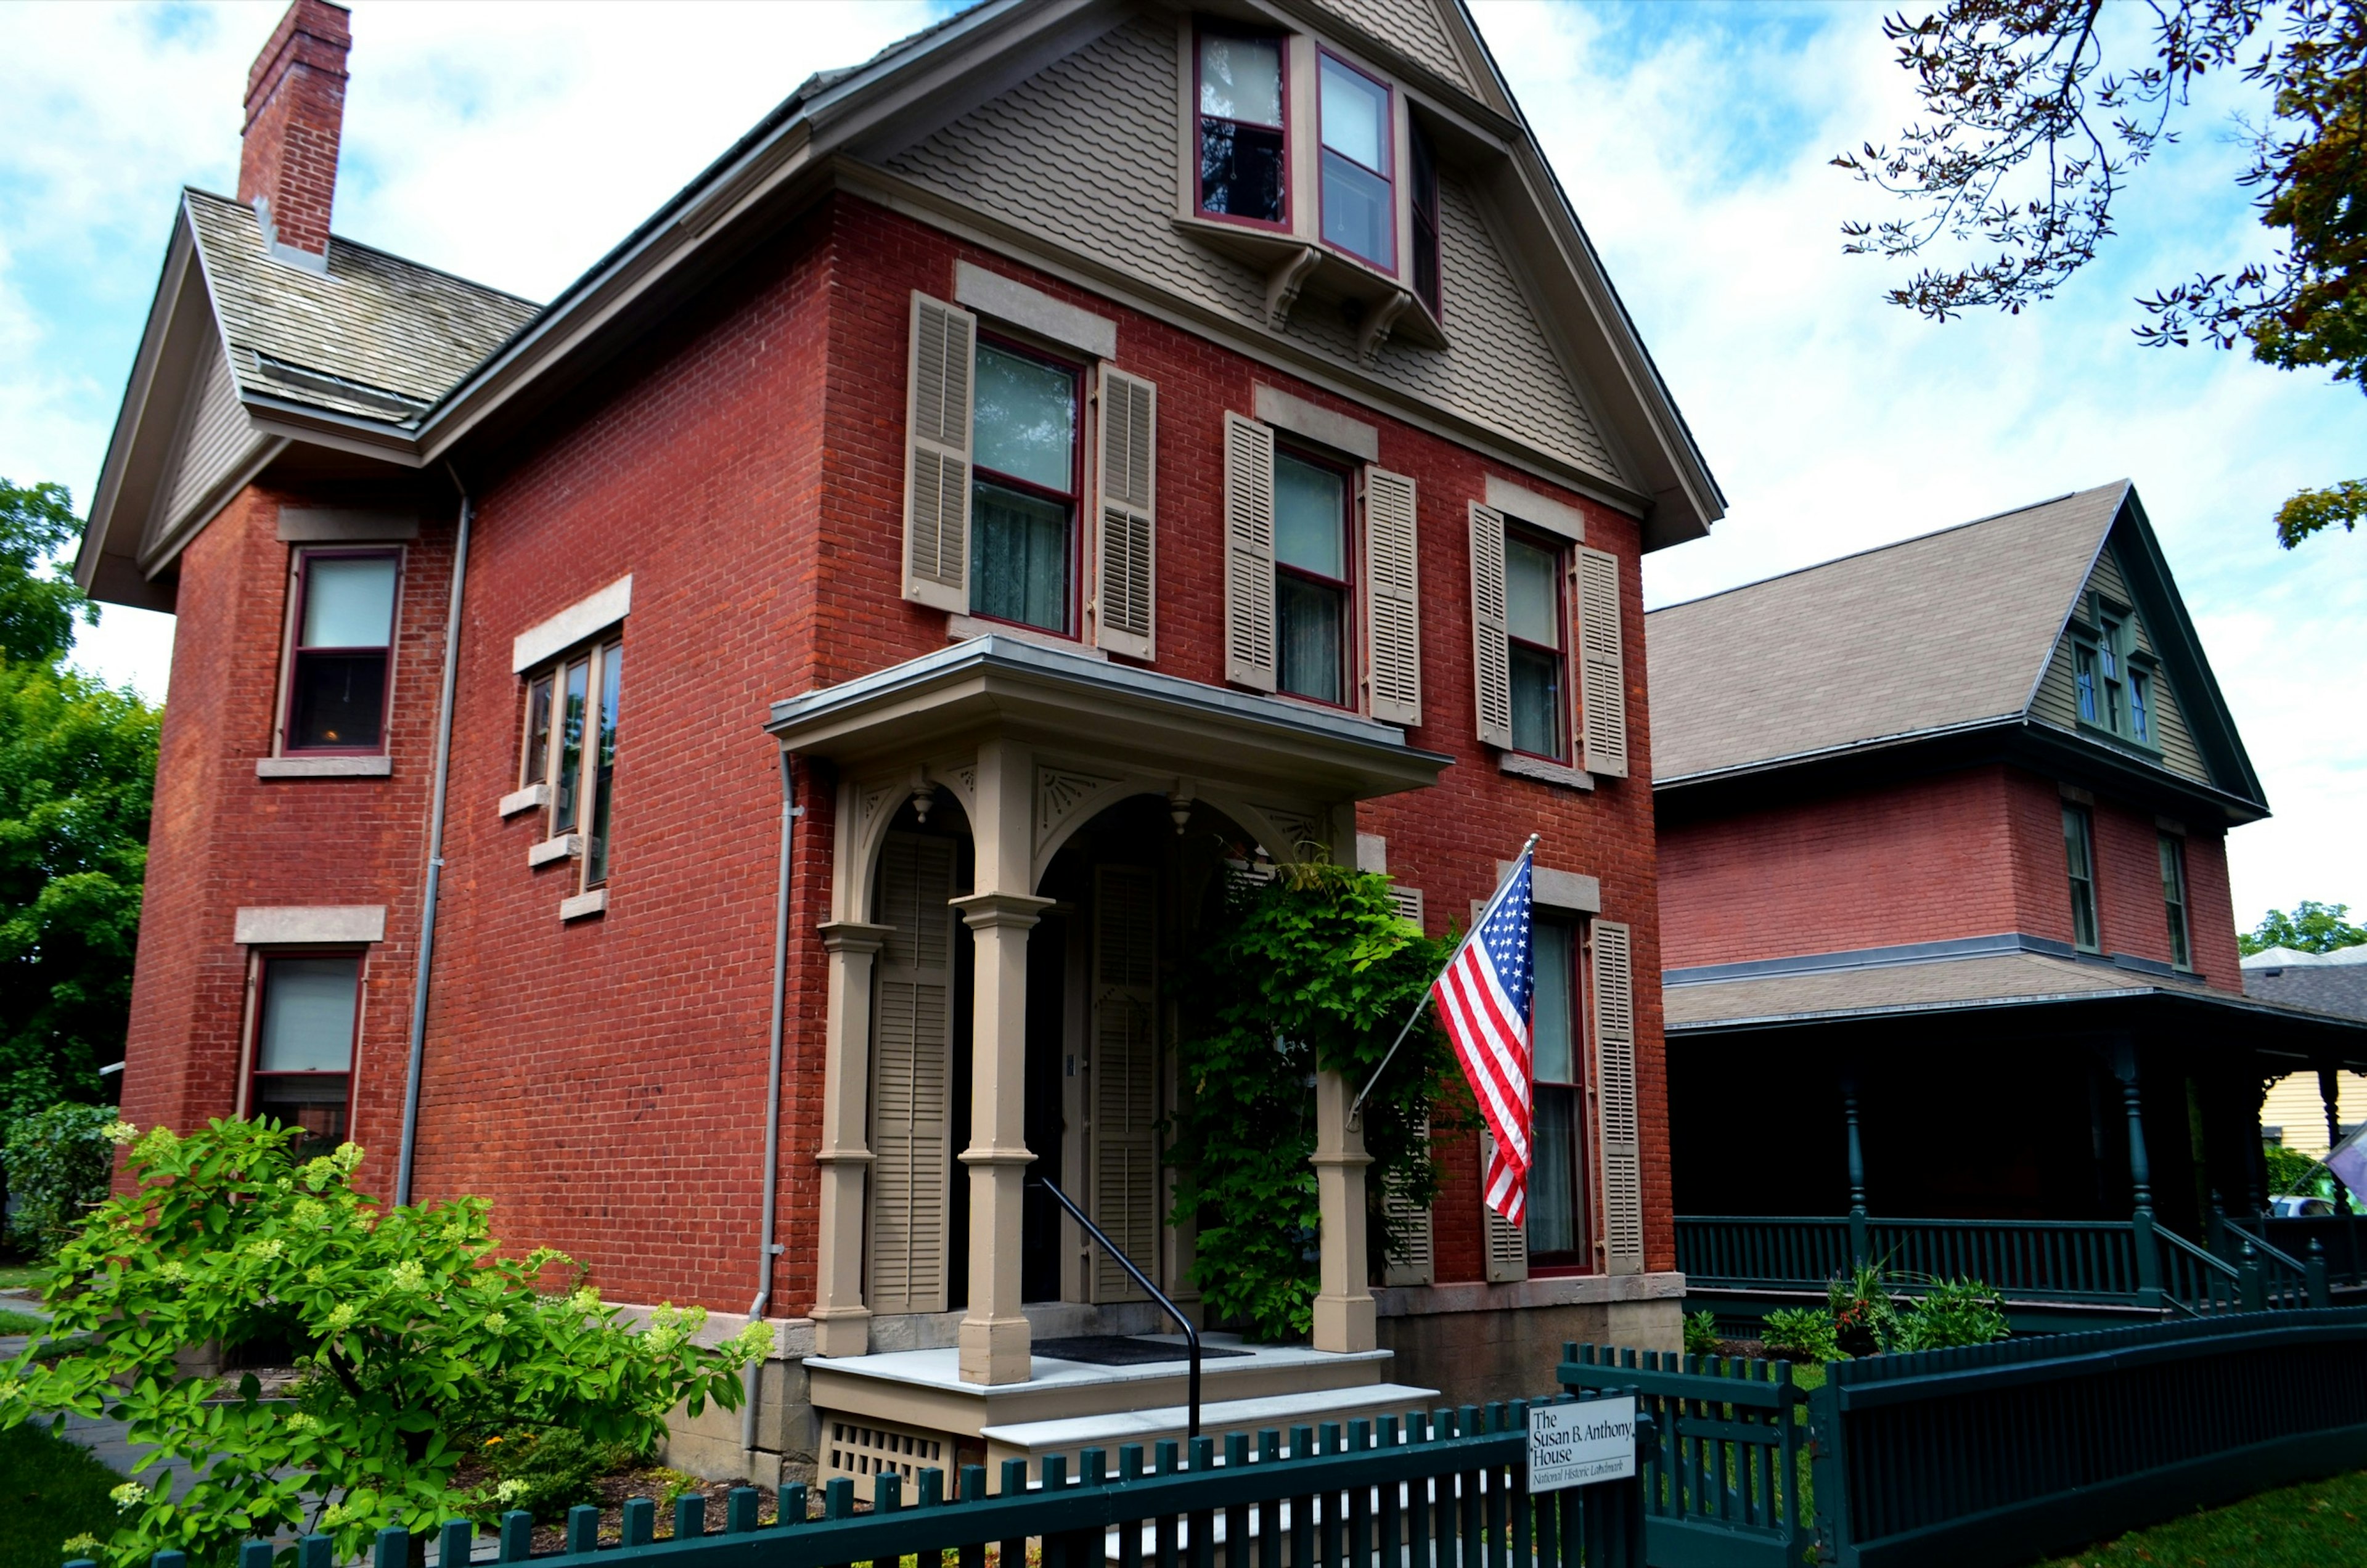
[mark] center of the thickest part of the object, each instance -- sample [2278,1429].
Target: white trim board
[289,924]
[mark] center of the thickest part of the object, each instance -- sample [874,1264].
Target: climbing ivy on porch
[1315,967]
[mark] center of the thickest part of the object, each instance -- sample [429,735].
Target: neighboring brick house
[1944,902]
[1081,446]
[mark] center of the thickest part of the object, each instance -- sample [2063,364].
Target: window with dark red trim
[342,651]
[1023,495]
[1536,620]
[1560,1201]
[1241,96]
[1360,211]
[308,1007]
[1312,552]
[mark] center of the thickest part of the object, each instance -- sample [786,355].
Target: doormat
[1121,1350]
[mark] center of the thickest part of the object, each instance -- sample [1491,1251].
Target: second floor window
[303,1051]
[2079,854]
[1426,286]
[2173,899]
[1310,557]
[1244,157]
[1533,619]
[570,746]
[1024,498]
[1359,201]
[344,645]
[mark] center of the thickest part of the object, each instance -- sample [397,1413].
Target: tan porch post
[1344,1316]
[993,1337]
[842,1323]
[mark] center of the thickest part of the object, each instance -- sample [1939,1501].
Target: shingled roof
[373,335]
[1918,637]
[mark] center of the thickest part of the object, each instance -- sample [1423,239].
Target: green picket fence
[1448,1489]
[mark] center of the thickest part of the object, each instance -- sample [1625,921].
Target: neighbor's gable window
[1023,500]
[2173,899]
[344,645]
[1534,619]
[307,1007]
[1244,128]
[1312,585]
[1359,200]
[2080,854]
[570,746]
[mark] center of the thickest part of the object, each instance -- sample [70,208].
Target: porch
[1026,841]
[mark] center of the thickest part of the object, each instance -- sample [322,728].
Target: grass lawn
[23,1276]
[50,1489]
[15,1321]
[2314,1525]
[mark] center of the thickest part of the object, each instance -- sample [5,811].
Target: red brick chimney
[295,114]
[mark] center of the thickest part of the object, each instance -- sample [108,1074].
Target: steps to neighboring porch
[909,1410]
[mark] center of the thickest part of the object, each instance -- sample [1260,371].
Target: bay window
[343,646]
[1424,195]
[1023,495]
[306,1013]
[1310,557]
[1359,200]
[1534,619]
[1243,118]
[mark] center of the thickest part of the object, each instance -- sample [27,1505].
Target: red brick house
[1945,919]
[719,763]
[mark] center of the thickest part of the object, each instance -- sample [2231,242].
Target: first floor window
[343,643]
[1024,503]
[2079,854]
[1310,590]
[307,1009]
[1557,1186]
[1243,164]
[570,746]
[1533,620]
[2173,898]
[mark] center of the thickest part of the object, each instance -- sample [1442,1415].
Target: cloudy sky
[516,143]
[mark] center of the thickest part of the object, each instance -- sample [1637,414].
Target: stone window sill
[567,846]
[527,799]
[583,904]
[324,767]
[1521,765]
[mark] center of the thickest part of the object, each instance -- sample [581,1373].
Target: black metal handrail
[1190,1335]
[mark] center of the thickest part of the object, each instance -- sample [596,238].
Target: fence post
[2314,1272]
[1829,1470]
[2248,1297]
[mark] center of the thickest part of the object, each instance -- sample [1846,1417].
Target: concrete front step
[1072,1435]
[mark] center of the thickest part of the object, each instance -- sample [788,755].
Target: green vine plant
[1312,969]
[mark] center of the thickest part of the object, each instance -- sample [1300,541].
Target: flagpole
[1415,1017]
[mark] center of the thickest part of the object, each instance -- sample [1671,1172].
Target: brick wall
[602,1081]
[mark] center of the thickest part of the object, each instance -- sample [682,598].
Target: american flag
[1483,996]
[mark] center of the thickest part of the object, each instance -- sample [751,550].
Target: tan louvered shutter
[911,1061]
[1506,1244]
[1249,553]
[1125,572]
[1492,653]
[1614,1066]
[937,455]
[1602,673]
[1411,1220]
[1392,597]
[1124,1068]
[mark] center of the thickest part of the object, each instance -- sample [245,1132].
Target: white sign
[1576,1445]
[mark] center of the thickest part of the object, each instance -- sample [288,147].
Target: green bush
[2290,1171]
[59,1164]
[555,1465]
[416,1337]
[1801,1333]
[1949,1312]
[1702,1338]
[1864,1316]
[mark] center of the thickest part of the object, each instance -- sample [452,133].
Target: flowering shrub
[416,1339]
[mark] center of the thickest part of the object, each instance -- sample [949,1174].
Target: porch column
[2149,1256]
[1344,1315]
[2329,1094]
[1859,1246]
[993,1337]
[842,1323]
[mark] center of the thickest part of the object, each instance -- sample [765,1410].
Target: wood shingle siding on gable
[1413,26]
[217,441]
[1110,109]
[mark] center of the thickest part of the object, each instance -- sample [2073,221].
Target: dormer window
[1359,205]
[1244,140]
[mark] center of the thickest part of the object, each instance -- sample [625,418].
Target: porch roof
[998,685]
[1971,984]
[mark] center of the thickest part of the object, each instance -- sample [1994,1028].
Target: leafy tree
[2312,927]
[38,604]
[2035,122]
[1315,968]
[417,1339]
